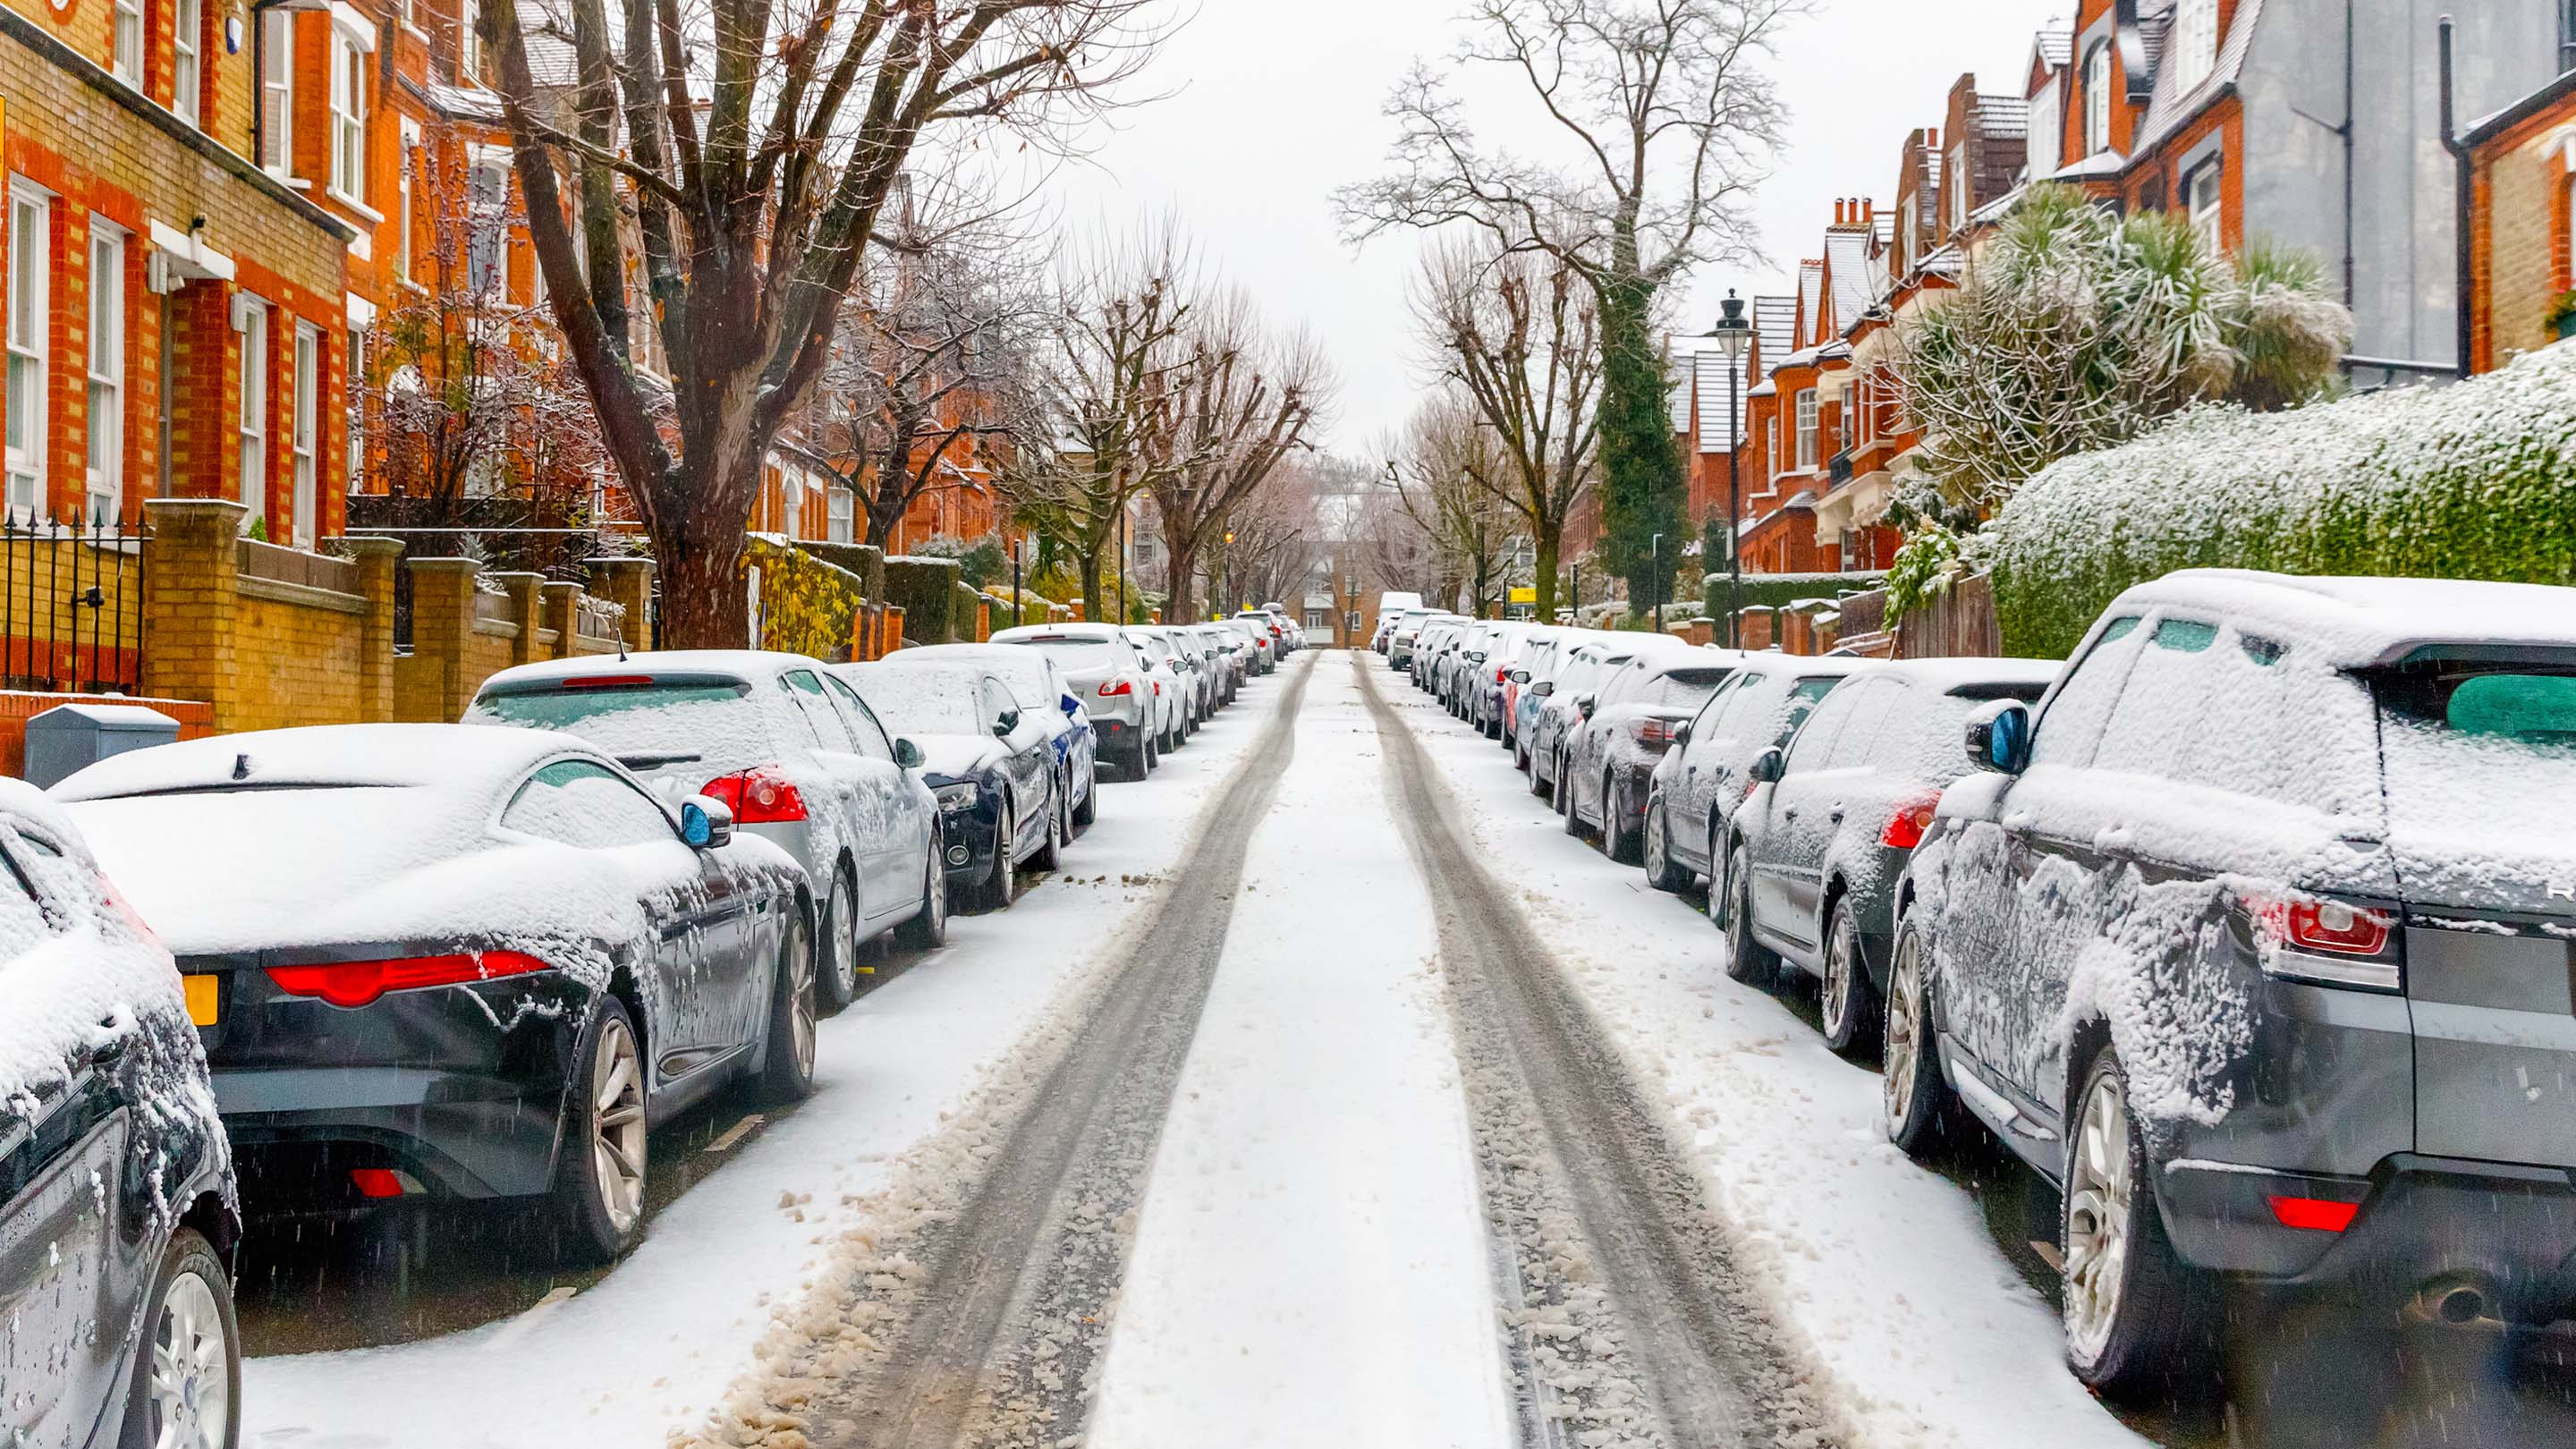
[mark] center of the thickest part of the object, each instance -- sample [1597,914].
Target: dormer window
[2097,98]
[2193,48]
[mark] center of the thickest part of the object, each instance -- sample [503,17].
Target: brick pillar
[522,589]
[442,626]
[192,603]
[1753,627]
[377,559]
[983,618]
[892,639]
[627,581]
[560,606]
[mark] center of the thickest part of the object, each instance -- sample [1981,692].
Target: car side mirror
[907,754]
[1766,768]
[1005,722]
[1068,704]
[1682,733]
[1520,676]
[1998,737]
[705,823]
[1587,703]
[1543,688]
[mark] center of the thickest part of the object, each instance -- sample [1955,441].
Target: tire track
[1636,1327]
[981,1323]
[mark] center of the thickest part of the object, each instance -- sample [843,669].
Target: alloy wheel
[841,941]
[2098,1191]
[800,986]
[617,1124]
[191,1390]
[1905,1036]
[1836,1004]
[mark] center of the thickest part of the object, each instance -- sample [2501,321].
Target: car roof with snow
[1975,677]
[1037,633]
[745,664]
[451,756]
[2369,621]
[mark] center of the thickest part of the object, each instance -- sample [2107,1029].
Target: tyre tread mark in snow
[1716,1370]
[1001,1343]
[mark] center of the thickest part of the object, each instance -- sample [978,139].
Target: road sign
[1525,595]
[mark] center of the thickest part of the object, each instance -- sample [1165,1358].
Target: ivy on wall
[807,606]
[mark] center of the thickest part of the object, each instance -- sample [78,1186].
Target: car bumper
[2422,1223]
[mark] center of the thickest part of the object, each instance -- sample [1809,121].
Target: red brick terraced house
[2522,161]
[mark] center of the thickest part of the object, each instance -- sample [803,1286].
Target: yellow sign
[1527,595]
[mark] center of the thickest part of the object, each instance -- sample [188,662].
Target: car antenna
[241,767]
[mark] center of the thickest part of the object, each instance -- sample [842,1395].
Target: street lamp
[1657,594]
[1734,334]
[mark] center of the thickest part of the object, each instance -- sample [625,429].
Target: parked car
[1385,630]
[1702,779]
[1265,651]
[2254,937]
[1032,678]
[1817,846]
[1593,665]
[1170,690]
[447,962]
[118,1213]
[1624,732]
[1483,692]
[1408,627]
[792,753]
[1233,654]
[1198,681]
[987,759]
[1109,680]
[1539,659]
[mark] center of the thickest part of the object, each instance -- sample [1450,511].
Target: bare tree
[1241,401]
[1447,470]
[1276,539]
[1518,333]
[1667,122]
[757,144]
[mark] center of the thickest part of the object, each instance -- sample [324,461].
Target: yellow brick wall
[299,665]
[2521,267]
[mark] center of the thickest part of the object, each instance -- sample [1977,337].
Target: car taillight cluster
[2314,925]
[1115,688]
[1912,816]
[1652,731]
[759,796]
[357,983]
[2327,943]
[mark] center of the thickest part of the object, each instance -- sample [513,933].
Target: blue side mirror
[1999,737]
[1068,703]
[705,823]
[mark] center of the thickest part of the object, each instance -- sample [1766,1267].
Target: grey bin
[68,737]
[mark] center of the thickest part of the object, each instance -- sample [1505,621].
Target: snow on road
[1927,1335]
[1311,1264]
[655,1346]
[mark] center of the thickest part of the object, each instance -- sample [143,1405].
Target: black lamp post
[1734,334]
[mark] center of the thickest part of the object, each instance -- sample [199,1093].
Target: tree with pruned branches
[1447,470]
[755,146]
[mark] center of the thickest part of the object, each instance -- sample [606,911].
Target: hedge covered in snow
[2476,480]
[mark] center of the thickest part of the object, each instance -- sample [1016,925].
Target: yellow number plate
[201,999]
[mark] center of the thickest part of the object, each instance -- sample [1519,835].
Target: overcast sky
[1270,105]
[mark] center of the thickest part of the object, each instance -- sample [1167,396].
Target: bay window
[29,269]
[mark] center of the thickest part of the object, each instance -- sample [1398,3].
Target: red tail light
[356,983]
[1113,690]
[2315,1214]
[1652,731]
[376,1182]
[1503,675]
[1913,816]
[608,681]
[759,796]
[2325,926]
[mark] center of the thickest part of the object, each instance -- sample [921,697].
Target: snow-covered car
[1110,681]
[1216,654]
[118,1212]
[1408,629]
[1047,696]
[789,749]
[1482,702]
[1623,734]
[1701,780]
[987,759]
[1817,846]
[433,960]
[2255,936]
[1175,650]
[1170,687]
[1384,631]
[1563,711]
[1265,650]
[1538,663]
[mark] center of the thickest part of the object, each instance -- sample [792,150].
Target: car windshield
[921,699]
[1682,689]
[1079,654]
[718,720]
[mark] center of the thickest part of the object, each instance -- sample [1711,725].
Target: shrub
[807,606]
[925,589]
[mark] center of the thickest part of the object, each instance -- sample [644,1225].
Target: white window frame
[2047,128]
[841,507]
[30,330]
[791,502]
[2193,48]
[103,473]
[1954,179]
[1807,419]
[277,99]
[409,139]
[2097,98]
[355,364]
[492,212]
[2204,192]
[125,42]
[469,44]
[250,318]
[348,115]
[187,77]
[304,434]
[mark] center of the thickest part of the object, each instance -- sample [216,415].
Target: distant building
[2522,292]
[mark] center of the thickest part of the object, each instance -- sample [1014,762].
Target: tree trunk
[1095,608]
[1180,605]
[697,526]
[1547,537]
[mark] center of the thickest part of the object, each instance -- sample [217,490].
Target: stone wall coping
[360,545]
[185,506]
[496,628]
[279,591]
[445,565]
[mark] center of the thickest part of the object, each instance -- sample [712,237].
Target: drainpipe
[2463,254]
[2351,289]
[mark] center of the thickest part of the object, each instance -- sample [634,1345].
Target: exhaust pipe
[2456,1302]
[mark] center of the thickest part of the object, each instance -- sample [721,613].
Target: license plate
[201,998]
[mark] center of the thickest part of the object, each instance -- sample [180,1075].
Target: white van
[1396,601]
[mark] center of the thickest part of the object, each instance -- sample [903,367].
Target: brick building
[2522,159]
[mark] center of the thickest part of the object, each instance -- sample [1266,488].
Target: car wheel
[1050,852]
[1153,757]
[839,979]
[2130,1302]
[600,1197]
[1747,960]
[186,1390]
[1089,809]
[1565,801]
[1910,1083]
[1526,762]
[1661,871]
[1617,841]
[1002,883]
[1848,1002]
[787,1071]
[928,928]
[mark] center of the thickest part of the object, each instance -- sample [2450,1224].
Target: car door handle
[1836,816]
[1791,813]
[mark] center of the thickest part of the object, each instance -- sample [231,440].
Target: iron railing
[71,605]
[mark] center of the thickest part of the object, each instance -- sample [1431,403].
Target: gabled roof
[2055,47]
[1847,263]
[1775,324]
[1811,292]
[1711,373]
[2167,111]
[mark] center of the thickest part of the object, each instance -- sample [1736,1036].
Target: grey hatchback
[2257,937]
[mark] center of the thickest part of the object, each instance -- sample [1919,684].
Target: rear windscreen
[1080,654]
[716,720]
[2494,741]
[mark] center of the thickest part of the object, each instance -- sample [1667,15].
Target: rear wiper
[655,762]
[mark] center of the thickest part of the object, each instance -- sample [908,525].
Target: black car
[442,961]
[118,1215]
[986,756]
[1623,732]
[2257,937]
[1817,845]
[1697,784]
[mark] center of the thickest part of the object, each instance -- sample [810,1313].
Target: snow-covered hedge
[2476,480]
[1779,591]
[925,589]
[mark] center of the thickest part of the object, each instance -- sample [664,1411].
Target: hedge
[865,560]
[2476,480]
[1779,591]
[807,606]
[925,589]
[965,603]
